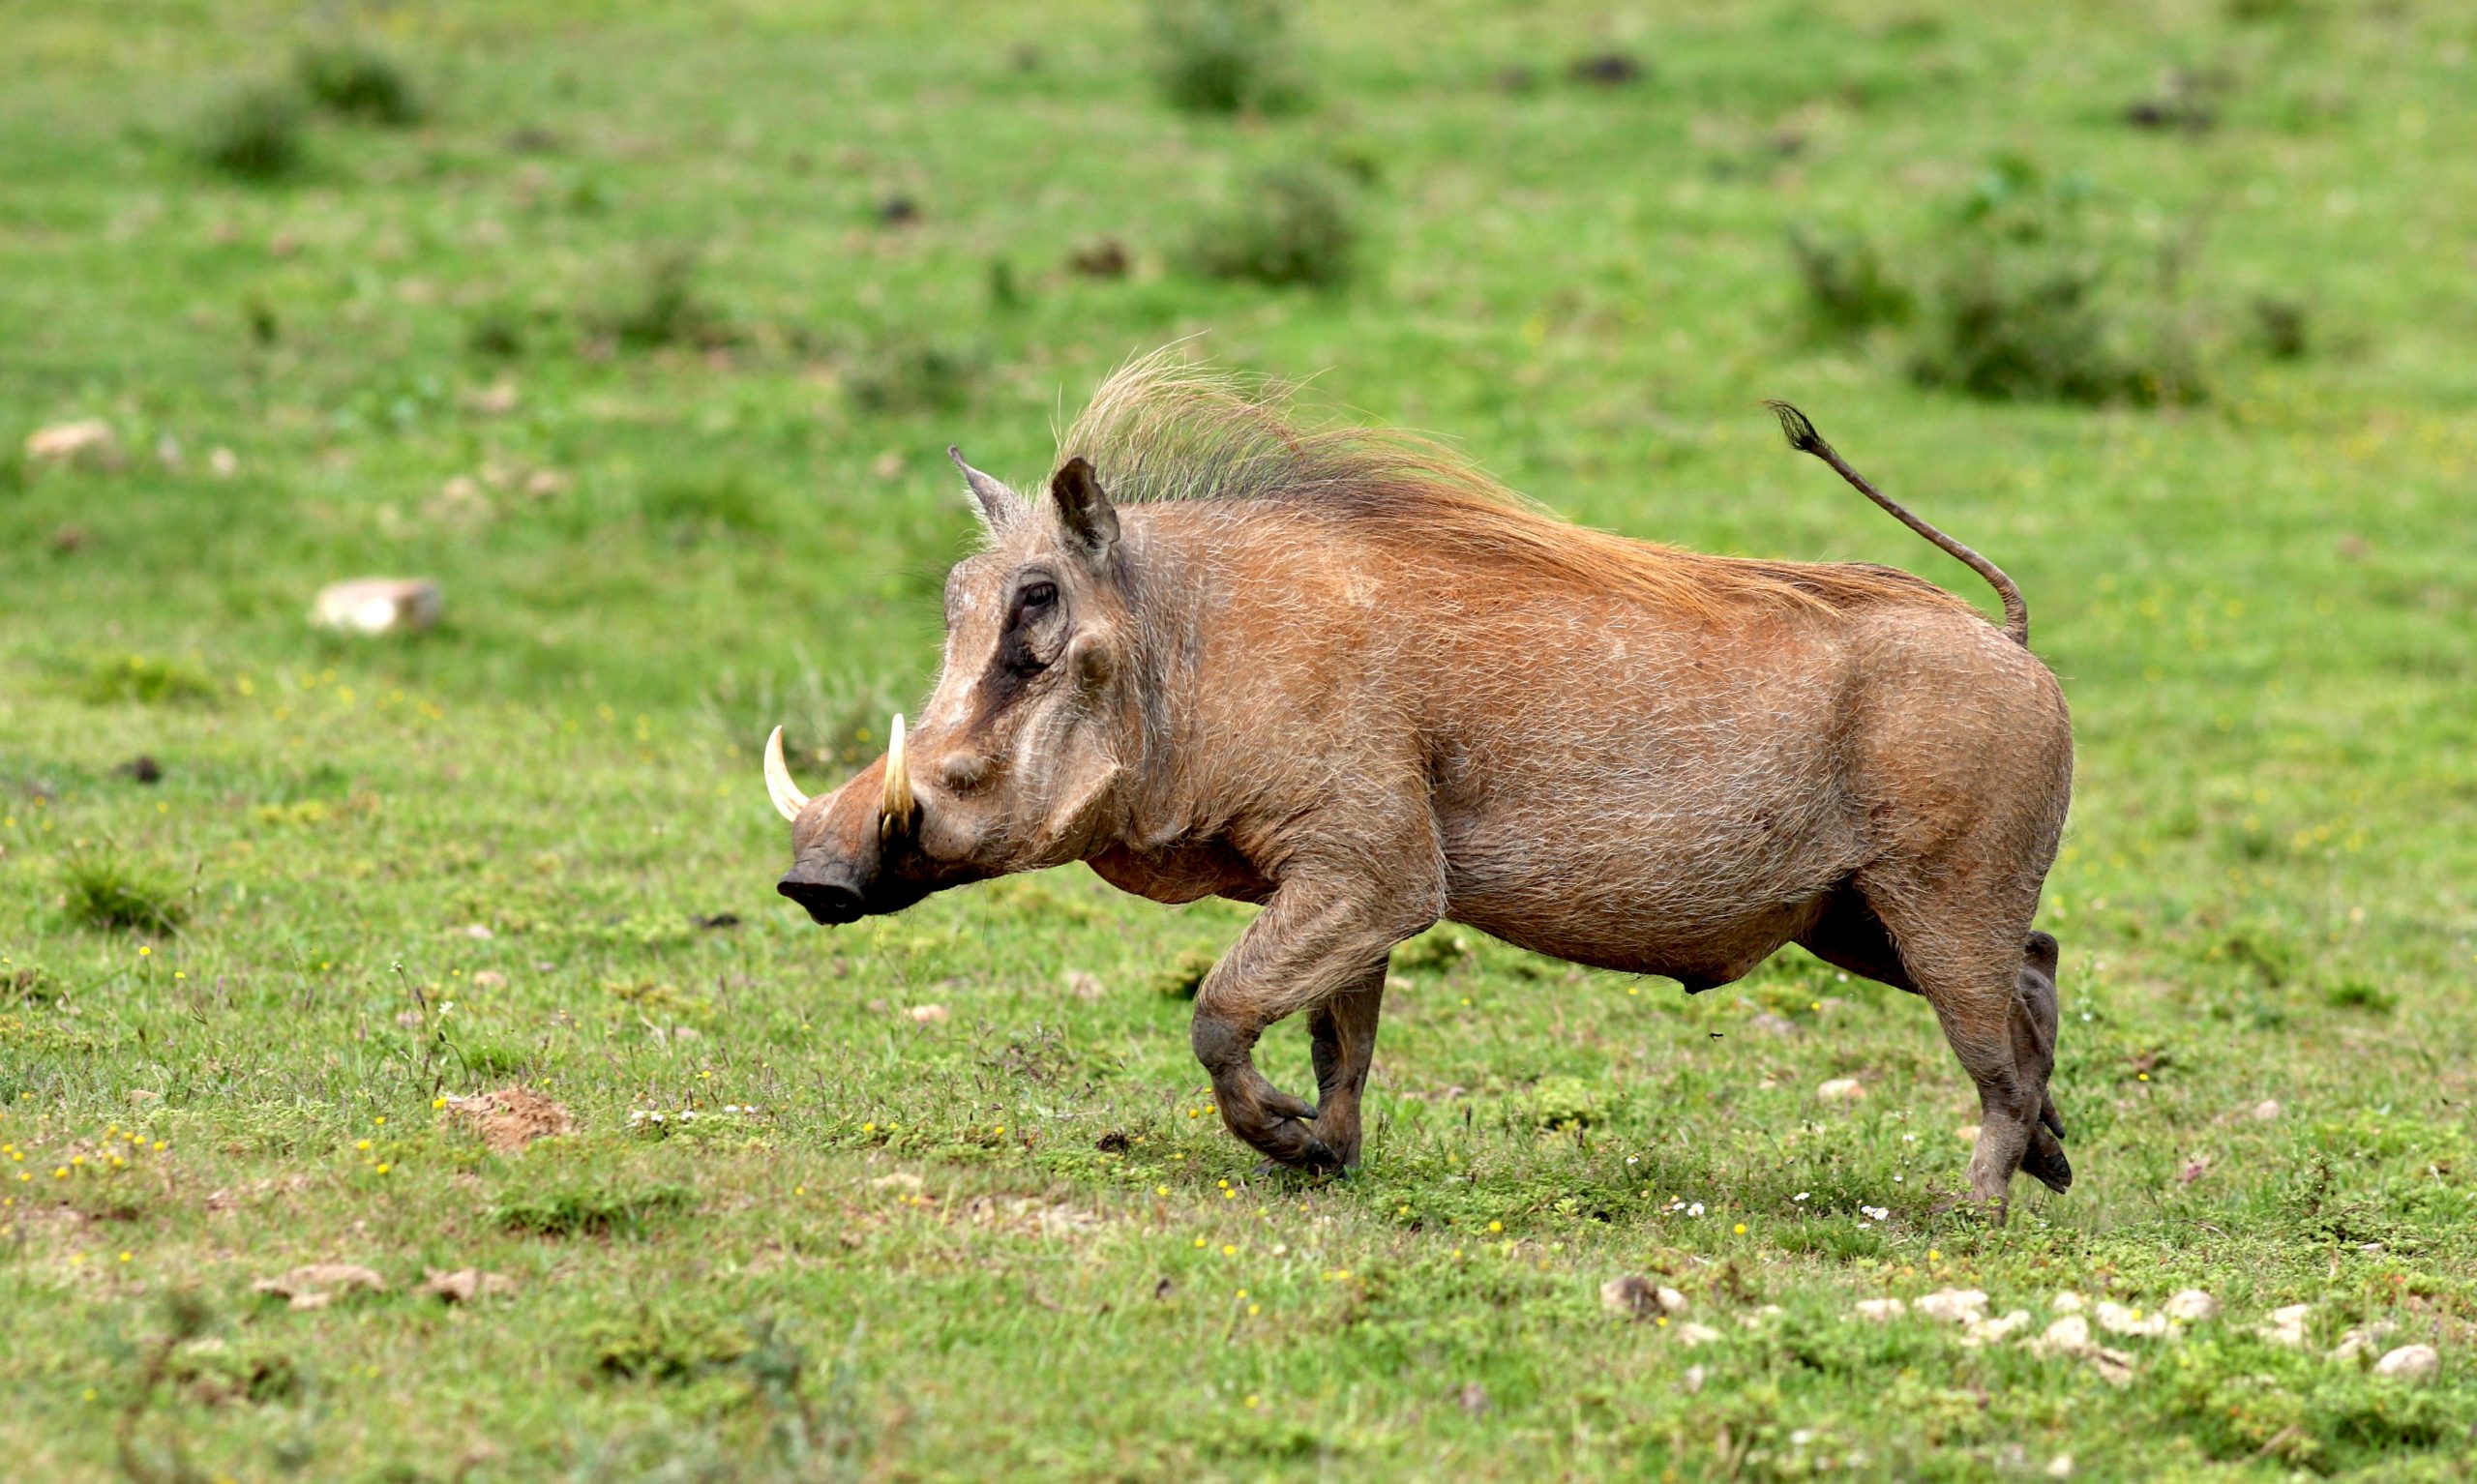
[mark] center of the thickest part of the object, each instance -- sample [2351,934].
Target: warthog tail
[1804,439]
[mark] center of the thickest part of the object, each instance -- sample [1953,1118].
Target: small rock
[2067,1301]
[143,768]
[2267,1111]
[466,1284]
[1473,1399]
[489,979]
[1104,258]
[1992,1331]
[2287,1325]
[1083,985]
[480,932]
[87,443]
[2060,1466]
[1692,1381]
[2363,1342]
[1881,1308]
[901,1179]
[930,1015]
[1629,1295]
[1841,1089]
[223,462]
[2189,1306]
[1772,1024]
[2410,1362]
[1608,68]
[2067,1333]
[377,606]
[1958,1306]
[898,211]
[1967,1132]
[317,1285]
[2118,1320]
[1693,1334]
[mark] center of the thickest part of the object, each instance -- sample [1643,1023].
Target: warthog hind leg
[1343,1029]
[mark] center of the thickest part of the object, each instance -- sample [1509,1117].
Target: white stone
[2410,1362]
[1992,1331]
[378,605]
[2117,1319]
[2266,1111]
[2189,1306]
[87,441]
[1691,1334]
[2060,1466]
[1881,1308]
[1958,1306]
[1841,1089]
[2067,1302]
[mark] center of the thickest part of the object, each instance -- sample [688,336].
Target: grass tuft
[251,133]
[1292,224]
[354,80]
[1227,56]
[109,893]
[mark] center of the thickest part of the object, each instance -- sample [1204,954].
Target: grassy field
[643,328]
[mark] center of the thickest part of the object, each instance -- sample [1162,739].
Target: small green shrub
[1294,224]
[2359,995]
[148,682]
[357,81]
[1849,288]
[1560,1103]
[1226,57]
[253,133]
[109,893]
[664,1346]
[664,307]
[914,375]
[1183,976]
[591,1210]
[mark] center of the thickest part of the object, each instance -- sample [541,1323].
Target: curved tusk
[894,809]
[785,794]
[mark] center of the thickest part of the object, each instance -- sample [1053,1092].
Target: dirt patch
[510,1118]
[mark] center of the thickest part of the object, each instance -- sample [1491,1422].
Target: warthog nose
[828,896]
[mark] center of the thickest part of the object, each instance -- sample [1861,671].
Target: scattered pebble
[2060,1466]
[2366,1341]
[2410,1362]
[1881,1308]
[317,1285]
[2070,1336]
[1691,1334]
[1841,1089]
[2067,1301]
[1083,985]
[87,443]
[465,1284]
[1637,1297]
[2118,1320]
[378,605]
[2287,1326]
[930,1015]
[2266,1111]
[2189,1306]
[1473,1399]
[1692,1381]
[489,979]
[1958,1306]
[1992,1331]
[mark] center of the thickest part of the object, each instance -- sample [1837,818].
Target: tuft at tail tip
[1795,427]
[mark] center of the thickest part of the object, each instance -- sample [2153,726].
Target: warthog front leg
[1319,946]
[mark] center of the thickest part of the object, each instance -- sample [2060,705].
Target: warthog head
[1015,762]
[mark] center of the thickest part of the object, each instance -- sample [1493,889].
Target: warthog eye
[1033,599]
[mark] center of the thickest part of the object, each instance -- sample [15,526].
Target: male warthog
[1345,676]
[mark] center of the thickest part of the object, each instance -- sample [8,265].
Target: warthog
[1343,674]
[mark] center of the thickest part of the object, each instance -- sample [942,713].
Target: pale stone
[2189,1306]
[2116,1319]
[1691,1334]
[1881,1308]
[930,1015]
[2410,1362]
[378,605]
[2266,1111]
[1841,1089]
[87,442]
[1958,1306]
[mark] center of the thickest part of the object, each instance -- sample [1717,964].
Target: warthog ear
[1090,521]
[999,507]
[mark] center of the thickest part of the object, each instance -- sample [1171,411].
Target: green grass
[671,505]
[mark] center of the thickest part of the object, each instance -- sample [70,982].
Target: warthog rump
[1343,674]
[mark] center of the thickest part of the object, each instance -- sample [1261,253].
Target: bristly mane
[1161,430]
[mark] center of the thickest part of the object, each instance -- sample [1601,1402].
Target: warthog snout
[830,893]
